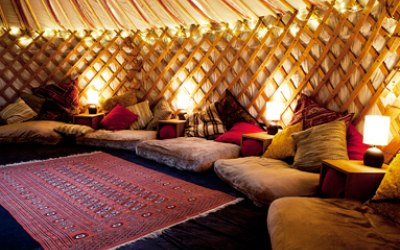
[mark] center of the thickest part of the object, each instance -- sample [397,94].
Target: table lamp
[273,114]
[376,133]
[92,101]
[182,104]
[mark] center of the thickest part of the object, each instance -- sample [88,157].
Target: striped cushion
[73,129]
[142,109]
[17,112]
[205,124]
[322,142]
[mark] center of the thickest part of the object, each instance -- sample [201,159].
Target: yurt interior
[199,124]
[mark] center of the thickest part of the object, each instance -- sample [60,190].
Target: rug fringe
[56,158]
[160,231]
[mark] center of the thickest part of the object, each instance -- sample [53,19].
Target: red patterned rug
[98,201]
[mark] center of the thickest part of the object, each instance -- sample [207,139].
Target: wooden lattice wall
[347,61]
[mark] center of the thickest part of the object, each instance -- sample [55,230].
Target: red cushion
[118,118]
[355,147]
[251,147]
[234,135]
[334,184]
[167,131]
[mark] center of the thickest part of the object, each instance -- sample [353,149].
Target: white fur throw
[187,153]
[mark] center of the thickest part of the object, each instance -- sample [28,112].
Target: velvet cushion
[355,146]
[61,101]
[35,102]
[167,131]
[321,142]
[161,111]
[390,185]
[142,109]
[328,224]
[263,179]
[127,99]
[234,135]
[205,124]
[73,129]
[251,147]
[118,118]
[17,112]
[282,145]
[312,113]
[232,112]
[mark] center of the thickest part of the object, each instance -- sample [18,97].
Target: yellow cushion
[390,185]
[282,145]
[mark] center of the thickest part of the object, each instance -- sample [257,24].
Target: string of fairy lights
[150,36]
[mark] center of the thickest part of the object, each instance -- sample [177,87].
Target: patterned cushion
[126,99]
[161,111]
[17,112]
[206,124]
[118,118]
[142,109]
[73,129]
[61,101]
[390,185]
[325,141]
[282,145]
[35,102]
[231,111]
[312,114]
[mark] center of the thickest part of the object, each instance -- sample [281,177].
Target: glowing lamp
[273,114]
[376,133]
[93,101]
[182,104]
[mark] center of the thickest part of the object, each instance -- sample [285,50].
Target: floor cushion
[264,179]
[314,223]
[121,139]
[187,153]
[41,132]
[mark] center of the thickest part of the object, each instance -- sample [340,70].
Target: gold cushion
[142,109]
[282,144]
[390,185]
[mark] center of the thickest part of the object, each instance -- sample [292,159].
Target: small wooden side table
[179,130]
[92,120]
[262,137]
[349,179]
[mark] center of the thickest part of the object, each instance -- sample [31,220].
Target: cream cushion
[121,139]
[17,112]
[73,129]
[187,153]
[142,109]
[263,179]
[318,143]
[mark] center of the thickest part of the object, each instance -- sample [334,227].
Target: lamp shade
[182,101]
[376,130]
[274,110]
[92,97]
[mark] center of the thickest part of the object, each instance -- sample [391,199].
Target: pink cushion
[334,184]
[355,147]
[234,135]
[167,131]
[118,118]
[251,147]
